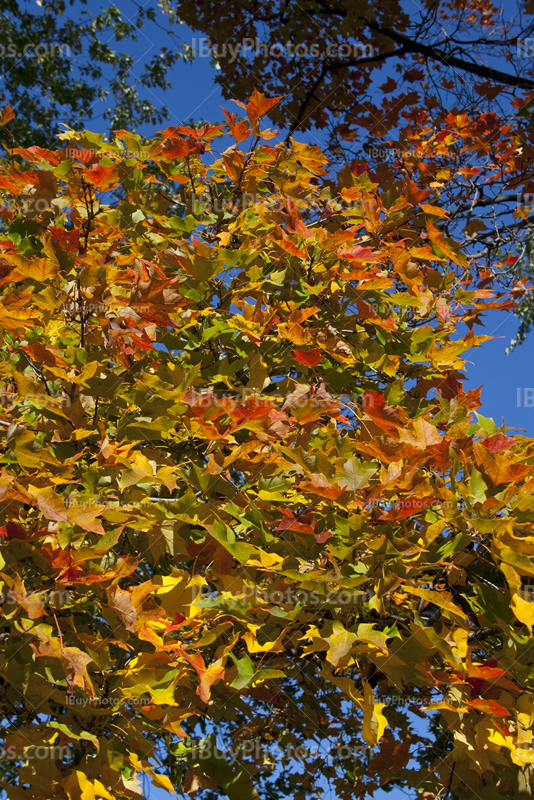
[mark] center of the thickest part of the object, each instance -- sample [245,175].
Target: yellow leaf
[50,503]
[101,791]
[78,787]
[339,643]
[85,516]
[163,782]
[347,686]
[368,635]
[523,610]
[29,453]
[255,647]
[441,599]
[158,780]
[374,722]
[37,269]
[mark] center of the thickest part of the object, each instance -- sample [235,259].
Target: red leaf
[12,530]
[309,358]
[101,176]
[292,524]
[488,90]
[68,239]
[498,442]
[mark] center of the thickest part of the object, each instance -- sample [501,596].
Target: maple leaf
[309,358]
[257,107]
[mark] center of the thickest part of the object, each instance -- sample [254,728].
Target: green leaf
[355,475]
[339,643]
[245,672]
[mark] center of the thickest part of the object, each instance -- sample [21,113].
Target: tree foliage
[247,502]
[439,92]
[63,63]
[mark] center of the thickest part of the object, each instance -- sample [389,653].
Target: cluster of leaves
[439,92]
[243,488]
[61,63]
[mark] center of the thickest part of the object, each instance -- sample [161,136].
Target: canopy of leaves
[242,485]
[59,63]
[439,92]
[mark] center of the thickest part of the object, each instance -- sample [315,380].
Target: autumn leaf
[374,721]
[309,358]
[257,107]
[445,246]
[339,643]
[499,465]
[366,633]
[355,475]
[7,115]
[245,671]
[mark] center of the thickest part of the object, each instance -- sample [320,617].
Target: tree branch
[429,51]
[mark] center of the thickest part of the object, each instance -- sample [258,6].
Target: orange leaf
[291,523]
[499,466]
[7,115]
[103,177]
[435,210]
[447,247]
[240,130]
[489,707]
[257,106]
[215,672]
[308,357]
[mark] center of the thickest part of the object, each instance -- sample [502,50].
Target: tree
[440,92]
[251,520]
[58,64]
